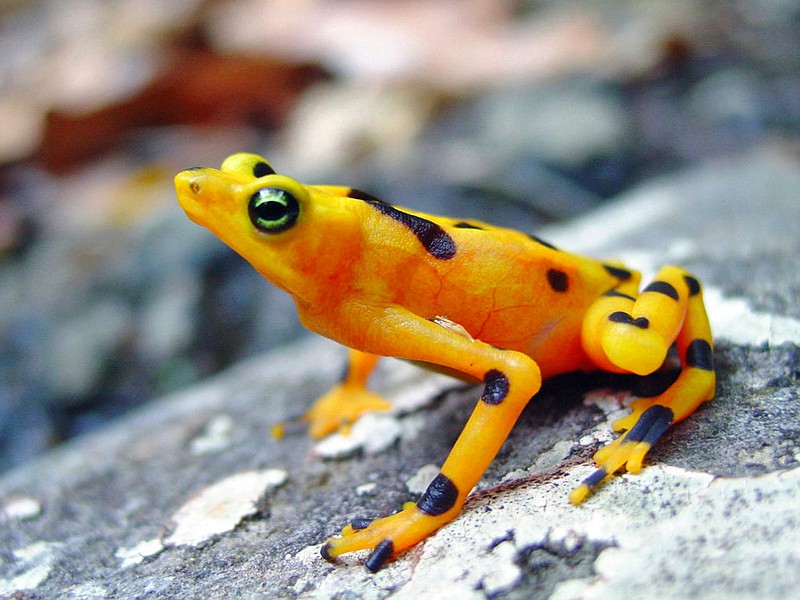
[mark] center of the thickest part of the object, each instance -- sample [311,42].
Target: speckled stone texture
[114,515]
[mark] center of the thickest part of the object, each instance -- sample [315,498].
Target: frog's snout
[188,181]
[188,187]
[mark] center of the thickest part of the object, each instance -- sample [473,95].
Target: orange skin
[489,303]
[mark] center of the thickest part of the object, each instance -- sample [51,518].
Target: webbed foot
[648,422]
[387,537]
[341,407]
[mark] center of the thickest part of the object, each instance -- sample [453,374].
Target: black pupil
[271,210]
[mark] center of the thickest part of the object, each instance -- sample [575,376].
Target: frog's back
[504,287]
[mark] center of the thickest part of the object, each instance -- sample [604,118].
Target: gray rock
[76,351]
[192,497]
[562,122]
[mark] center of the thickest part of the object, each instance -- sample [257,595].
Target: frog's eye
[273,209]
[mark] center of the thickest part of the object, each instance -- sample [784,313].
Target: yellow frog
[489,303]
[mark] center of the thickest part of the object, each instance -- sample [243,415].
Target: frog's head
[295,235]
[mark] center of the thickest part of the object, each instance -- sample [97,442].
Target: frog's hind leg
[625,333]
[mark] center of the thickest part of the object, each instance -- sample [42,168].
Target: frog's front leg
[347,401]
[510,380]
[623,332]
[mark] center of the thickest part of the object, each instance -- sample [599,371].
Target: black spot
[439,497]
[700,355]
[379,556]
[542,242]
[194,169]
[651,425]
[432,236]
[662,287]
[623,317]
[616,294]
[465,225]
[496,387]
[621,274]
[262,169]
[694,285]
[558,280]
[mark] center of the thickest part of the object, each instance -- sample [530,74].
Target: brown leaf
[198,87]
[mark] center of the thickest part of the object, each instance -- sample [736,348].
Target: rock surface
[192,497]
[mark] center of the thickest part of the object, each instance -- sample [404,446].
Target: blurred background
[520,112]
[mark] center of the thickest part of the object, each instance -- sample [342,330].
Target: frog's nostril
[188,182]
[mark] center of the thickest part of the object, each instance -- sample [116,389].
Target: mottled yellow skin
[489,303]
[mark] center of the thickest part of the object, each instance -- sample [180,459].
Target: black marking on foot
[694,285]
[616,294]
[262,169]
[700,355]
[360,523]
[465,225]
[325,551]
[558,280]
[435,239]
[539,240]
[596,477]
[662,287]
[618,272]
[383,551]
[439,497]
[623,317]
[496,387]
[651,425]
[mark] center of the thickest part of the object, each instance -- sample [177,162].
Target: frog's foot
[340,407]
[387,537]
[638,408]
[627,451]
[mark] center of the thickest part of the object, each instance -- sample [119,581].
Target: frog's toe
[628,450]
[638,408]
[381,553]
[387,537]
[340,407]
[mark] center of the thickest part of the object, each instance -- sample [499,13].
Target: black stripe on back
[539,240]
[465,225]
[435,239]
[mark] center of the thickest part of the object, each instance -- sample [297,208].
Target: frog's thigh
[633,334]
[510,380]
[672,308]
